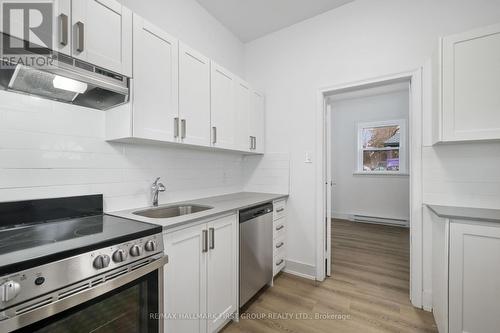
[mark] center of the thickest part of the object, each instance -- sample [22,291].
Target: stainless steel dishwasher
[256,250]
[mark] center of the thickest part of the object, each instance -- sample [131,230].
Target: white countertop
[464,213]
[221,204]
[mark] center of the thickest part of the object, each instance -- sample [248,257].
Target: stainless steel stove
[65,266]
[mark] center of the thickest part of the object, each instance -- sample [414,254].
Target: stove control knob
[101,261]
[9,290]
[150,246]
[135,251]
[120,256]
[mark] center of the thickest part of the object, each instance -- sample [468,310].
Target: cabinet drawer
[279,228]
[279,209]
[279,264]
[279,244]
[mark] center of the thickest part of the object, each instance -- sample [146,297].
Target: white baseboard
[367,218]
[300,269]
[427,300]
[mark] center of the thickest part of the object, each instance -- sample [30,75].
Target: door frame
[414,77]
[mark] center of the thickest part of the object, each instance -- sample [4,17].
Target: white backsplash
[267,173]
[50,149]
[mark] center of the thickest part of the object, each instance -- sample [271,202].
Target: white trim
[402,145]
[300,269]
[415,167]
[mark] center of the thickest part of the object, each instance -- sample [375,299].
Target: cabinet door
[62,27]
[222,270]
[102,34]
[243,95]
[185,280]
[194,96]
[223,108]
[58,38]
[257,121]
[474,288]
[155,83]
[471,77]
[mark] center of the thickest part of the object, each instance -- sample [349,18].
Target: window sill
[381,173]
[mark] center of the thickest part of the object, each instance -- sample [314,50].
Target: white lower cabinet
[201,287]
[279,236]
[466,271]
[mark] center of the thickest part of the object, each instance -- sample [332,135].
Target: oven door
[128,300]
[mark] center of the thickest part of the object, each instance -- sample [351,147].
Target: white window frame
[403,171]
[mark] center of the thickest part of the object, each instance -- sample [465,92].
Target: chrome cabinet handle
[183,128]
[63,29]
[211,236]
[279,210]
[280,227]
[80,36]
[280,262]
[214,135]
[251,142]
[279,245]
[176,127]
[204,247]
[254,142]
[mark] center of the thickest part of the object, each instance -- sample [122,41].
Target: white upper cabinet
[155,83]
[469,102]
[102,34]
[223,108]
[243,94]
[62,26]
[194,97]
[257,121]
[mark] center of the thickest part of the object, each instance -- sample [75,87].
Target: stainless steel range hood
[64,79]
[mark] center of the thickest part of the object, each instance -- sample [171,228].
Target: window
[382,147]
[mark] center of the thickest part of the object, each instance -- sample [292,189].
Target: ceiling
[251,19]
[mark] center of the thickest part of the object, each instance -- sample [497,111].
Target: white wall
[191,23]
[361,40]
[370,195]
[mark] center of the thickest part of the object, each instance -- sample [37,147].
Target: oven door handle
[51,304]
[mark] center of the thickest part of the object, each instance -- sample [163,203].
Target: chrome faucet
[155,189]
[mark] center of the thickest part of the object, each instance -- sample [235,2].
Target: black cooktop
[36,232]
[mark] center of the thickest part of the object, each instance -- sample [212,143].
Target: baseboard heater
[380,220]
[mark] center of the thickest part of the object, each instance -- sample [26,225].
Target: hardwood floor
[368,290]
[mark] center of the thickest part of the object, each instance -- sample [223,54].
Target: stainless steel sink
[171,211]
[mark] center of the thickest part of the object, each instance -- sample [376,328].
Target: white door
[243,118]
[185,280]
[155,83]
[194,96]
[257,121]
[223,108]
[102,34]
[471,77]
[222,270]
[328,189]
[474,288]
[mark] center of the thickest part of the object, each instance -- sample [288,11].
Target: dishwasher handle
[256,211]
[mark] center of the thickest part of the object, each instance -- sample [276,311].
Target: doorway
[386,159]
